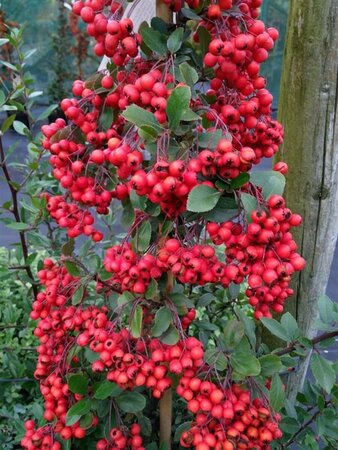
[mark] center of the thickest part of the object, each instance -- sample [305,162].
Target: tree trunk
[308,111]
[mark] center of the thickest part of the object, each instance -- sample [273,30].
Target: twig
[316,340]
[16,213]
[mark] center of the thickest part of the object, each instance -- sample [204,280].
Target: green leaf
[47,112]
[18,226]
[270,365]
[190,14]
[136,322]
[243,360]
[20,128]
[78,295]
[72,268]
[323,372]
[209,139]
[86,421]
[152,290]
[249,325]
[189,75]
[154,40]
[68,247]
[107,389]
[106,118]
[171,336]
[275,328]
[8,123]
[202,198]
[276,393]
[142,237]
[77,411]
[180,429]
[131,402]
[178,103]
[148,133]
[78,384]
[162,321]
[175,40]
[272,182]
[326,309]
[233,333]
[239,181]
[141,118]
[145,424]
[250,204]
[290,325]
[204,39]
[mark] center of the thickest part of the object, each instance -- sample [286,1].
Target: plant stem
[316,340]
[166,418]
[16,213]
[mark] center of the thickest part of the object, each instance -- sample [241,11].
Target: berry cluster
[38,439]
[115,38]
[166,184]
[70,216]
[131,272]
[132,363]
[226,419]
[121,438]
[265,253]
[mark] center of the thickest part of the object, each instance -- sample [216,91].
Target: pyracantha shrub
[171,130]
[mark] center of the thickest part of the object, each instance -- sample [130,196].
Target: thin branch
[16,213]
[315,341]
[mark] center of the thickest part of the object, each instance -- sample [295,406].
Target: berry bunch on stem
[171,130]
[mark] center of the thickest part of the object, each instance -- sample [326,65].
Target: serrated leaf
[142,237]
[107,389]
[233,333]
[77,297]
[154,40]
[276,393]
[72,268]
[162,321]
[323,372]
[326,309]
[131,402]
[272,182]
[77,411]
[250,204]
[171,336]
[136,322]
[290,325]
[178,103]
[243,360]
[239,181]
[270,365]
[209,139]
[204,39]
[202,198]
[175,40]
[78,384]
[180,429]
[275,328]
[68,248]
[189,74]
[141,117]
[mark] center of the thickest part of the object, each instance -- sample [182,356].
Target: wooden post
[308,111]
[166,402]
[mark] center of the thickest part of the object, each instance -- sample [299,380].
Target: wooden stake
[163,11]
[166,402]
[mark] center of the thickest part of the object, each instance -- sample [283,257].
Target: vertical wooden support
[163,12]
[308,111]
